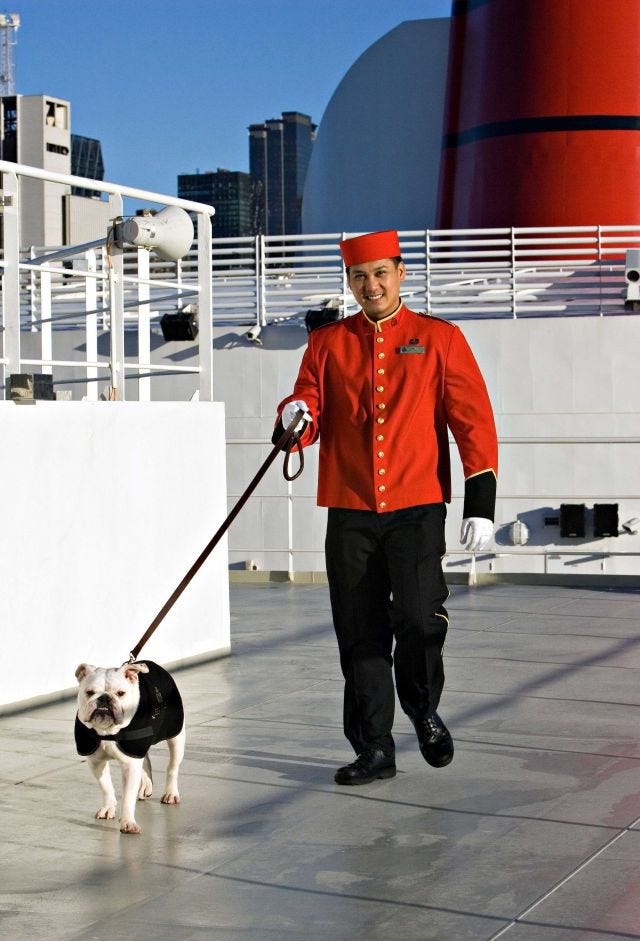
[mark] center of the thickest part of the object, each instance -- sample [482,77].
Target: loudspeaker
[169,232]
[180,326]
[572,519]
[605,519]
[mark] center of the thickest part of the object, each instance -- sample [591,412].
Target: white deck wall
[557,378]
[564,378]
[104,507]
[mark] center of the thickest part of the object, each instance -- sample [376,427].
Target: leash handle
[294,444]
[206,552]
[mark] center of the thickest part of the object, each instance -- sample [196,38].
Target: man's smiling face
[376,286]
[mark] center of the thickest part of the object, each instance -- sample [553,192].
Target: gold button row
[380,421]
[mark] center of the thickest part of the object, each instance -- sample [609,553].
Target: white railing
[456,274]
[117,299]
[101,290]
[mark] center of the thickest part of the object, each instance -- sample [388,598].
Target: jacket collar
[387,323]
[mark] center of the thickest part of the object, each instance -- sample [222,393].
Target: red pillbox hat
[372,247]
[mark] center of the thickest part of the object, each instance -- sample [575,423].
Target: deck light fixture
[181,325]
[519,533]
[632,278]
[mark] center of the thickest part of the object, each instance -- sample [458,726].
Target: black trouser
[385,581]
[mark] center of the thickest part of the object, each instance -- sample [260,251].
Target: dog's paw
[106,813]
[146,788]
[171,797]
[130,826]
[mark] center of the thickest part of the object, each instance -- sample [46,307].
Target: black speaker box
[605,519]
[572,519]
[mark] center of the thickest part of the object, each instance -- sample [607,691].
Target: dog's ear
[131,671]
[83,670]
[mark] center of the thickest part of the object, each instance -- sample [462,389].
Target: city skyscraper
[36,130]
[279,155]
[229,192]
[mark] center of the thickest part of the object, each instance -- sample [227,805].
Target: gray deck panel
[525,836]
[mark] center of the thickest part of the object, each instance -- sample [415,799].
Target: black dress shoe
[435,740]
[371,764]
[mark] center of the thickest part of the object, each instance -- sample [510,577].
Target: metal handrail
[124,290]
[463,274]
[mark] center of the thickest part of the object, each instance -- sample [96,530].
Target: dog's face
[108,696]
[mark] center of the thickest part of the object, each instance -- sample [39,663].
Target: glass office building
[279,154]
[230,192]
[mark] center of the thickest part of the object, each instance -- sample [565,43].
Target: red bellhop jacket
[382,397]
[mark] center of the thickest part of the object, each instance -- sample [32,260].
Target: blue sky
[171,87]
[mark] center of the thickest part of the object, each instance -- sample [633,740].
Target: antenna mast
[9,23]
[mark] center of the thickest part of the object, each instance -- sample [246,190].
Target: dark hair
[396,260]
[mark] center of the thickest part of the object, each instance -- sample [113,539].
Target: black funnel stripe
[572,122]
[460,7]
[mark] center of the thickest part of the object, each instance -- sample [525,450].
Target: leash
[294,442]
[289,440]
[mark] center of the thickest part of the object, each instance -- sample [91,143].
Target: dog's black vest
[159,716]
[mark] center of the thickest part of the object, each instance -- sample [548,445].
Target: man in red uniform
[381,391]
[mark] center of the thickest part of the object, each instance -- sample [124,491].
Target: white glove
[289,413]
[475,533]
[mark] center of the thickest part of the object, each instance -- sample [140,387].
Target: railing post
[11,279]
[116,307]
[513,274]
[90,306]
[345,283]
[205,309]
[144,323]
[46,327]
[290,531]
[33,287]
[262,267]
[427,262]
[600,268]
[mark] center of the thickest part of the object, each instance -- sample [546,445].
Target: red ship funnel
[542,120]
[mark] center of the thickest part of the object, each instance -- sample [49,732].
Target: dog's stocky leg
[146,784]
[100,768]
[131,779]
[176,754]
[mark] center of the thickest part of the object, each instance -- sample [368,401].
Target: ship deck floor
[531,834]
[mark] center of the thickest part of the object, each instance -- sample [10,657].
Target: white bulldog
[122,711]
